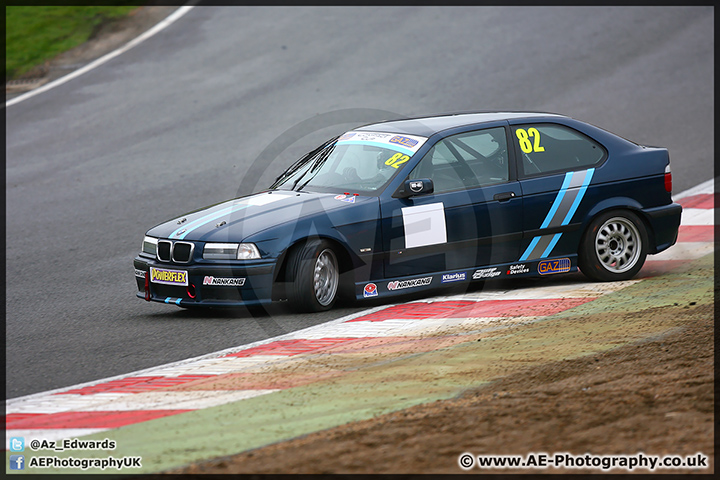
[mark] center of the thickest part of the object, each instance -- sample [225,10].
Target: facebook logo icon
[17,462]
[17,444]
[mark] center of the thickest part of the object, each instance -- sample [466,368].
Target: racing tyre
[313,276]
[614,247]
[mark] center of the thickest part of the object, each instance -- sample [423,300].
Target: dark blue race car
[400,206]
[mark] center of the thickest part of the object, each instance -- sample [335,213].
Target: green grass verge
[35,34]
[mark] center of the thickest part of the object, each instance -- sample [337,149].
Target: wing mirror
[411,188]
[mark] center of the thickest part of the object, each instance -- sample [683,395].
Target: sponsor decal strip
[563,208]
[407,144]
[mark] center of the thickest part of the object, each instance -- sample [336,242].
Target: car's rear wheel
[313,276]
[614,247]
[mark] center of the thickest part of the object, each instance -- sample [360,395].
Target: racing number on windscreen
[524,137]
[396,160]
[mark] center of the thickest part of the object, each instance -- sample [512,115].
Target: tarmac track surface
[176,123]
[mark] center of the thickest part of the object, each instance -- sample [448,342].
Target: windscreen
[356,162]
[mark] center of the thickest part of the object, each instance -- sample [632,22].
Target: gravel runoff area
[655,396]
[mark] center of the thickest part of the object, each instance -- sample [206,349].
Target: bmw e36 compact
[406,205]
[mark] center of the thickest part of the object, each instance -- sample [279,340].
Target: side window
[547,148]
[466,160]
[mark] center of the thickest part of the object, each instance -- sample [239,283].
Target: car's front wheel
[313,276]
[614,247]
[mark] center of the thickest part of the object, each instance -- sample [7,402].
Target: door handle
[504,197]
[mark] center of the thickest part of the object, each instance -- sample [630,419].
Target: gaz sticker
[560,265]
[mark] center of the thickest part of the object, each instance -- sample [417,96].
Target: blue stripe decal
[167,300]
[226,209]
[558,200]
[551,245]
[206,219]
[178,301]
[581,193]
[529,249]
[549,216]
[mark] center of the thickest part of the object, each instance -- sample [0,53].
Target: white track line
[172,18]
[697,216]
[703,188]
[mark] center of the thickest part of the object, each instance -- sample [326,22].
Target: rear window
[549,148]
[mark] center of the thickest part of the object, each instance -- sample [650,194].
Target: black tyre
[614,247]
[313,276]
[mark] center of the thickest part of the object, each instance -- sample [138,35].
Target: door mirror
[411,188]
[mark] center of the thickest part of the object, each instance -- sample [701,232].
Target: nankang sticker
[346,198]
[223,282]
[516,269]
[370,290]
[168,277]
[140,273]
[486,273]
[454,277]
[547,267]
[416,282]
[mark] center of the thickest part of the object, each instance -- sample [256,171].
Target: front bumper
[208,284]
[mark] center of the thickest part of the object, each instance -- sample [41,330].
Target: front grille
[182,252]
[178,252]
[164,248]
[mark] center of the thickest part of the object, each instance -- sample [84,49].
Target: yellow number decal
[396,160]
[525,144]
[536,135]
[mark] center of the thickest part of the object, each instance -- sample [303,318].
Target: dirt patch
[105,38]
[654,397]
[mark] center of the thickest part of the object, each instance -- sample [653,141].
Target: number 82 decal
[524,137]
[396,160]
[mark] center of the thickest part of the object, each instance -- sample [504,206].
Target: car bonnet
[236,219]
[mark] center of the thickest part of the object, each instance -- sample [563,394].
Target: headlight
[149,245]
[247,251]
[230,251]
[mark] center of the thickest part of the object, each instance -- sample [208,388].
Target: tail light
[668,179]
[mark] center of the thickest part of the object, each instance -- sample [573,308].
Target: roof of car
[427,126]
